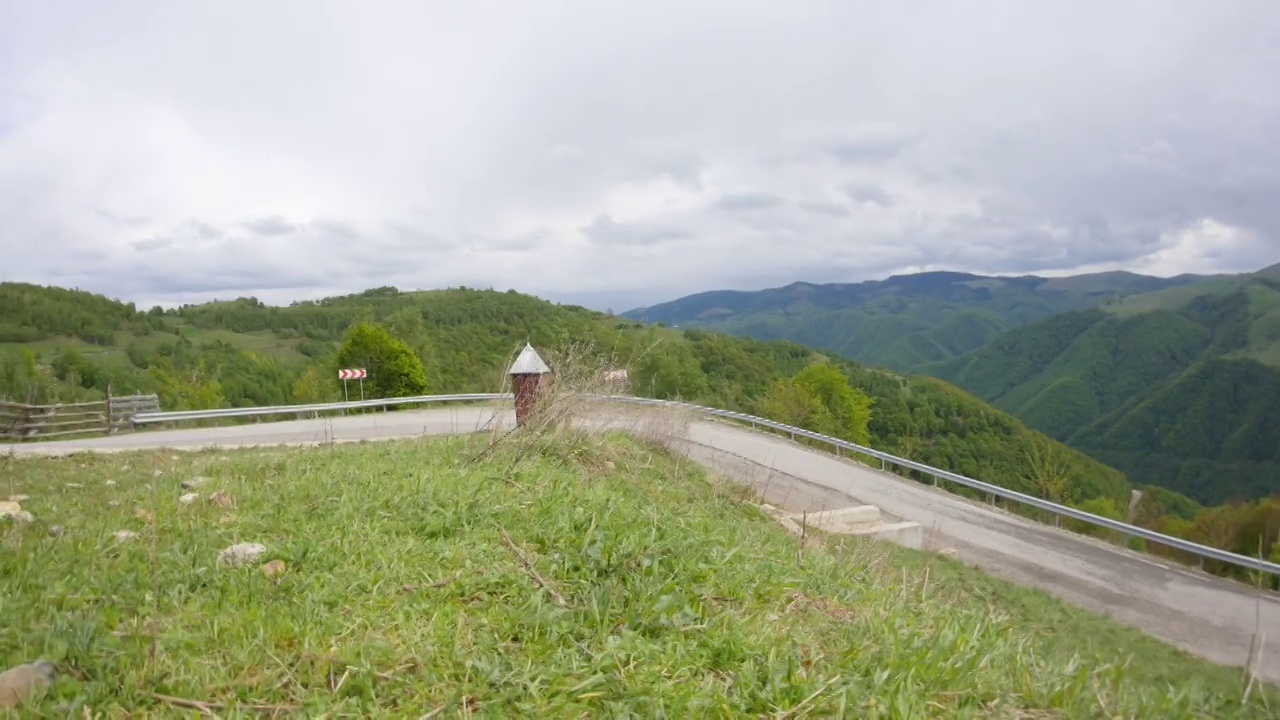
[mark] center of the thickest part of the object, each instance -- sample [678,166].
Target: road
[1204,615]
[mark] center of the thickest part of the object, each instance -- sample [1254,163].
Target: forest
[62,345]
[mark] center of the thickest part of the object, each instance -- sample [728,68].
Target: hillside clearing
[596,576]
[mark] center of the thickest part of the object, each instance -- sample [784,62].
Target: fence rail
[1196,549]
[20,421]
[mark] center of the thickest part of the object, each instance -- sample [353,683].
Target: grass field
[589,577]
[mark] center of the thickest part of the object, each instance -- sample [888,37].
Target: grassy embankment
[583,575]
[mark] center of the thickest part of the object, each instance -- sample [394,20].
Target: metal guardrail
[1201,551]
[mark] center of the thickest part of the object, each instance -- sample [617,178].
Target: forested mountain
[903,321]
[1179,388]
[243,352]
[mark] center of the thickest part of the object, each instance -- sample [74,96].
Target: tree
[850,409]
[394,370]
[789,403]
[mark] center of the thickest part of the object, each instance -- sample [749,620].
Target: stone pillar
[529,377]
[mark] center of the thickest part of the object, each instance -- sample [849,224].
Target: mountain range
[1175,381]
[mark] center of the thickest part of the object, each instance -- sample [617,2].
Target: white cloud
[629,153]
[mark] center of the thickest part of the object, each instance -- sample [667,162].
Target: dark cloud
[748,201]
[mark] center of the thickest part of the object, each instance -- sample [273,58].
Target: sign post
[352,374]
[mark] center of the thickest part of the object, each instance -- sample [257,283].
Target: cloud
[274,225]
[868,194]
[604,231]
[748,201]
[428,147]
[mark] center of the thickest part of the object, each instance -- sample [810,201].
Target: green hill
[1178,388]
[904,321]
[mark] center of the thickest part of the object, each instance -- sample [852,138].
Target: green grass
[403,597]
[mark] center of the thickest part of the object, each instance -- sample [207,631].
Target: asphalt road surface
[1213,618]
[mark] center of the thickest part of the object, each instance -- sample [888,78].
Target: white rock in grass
[9,508]
[189,498]
[56,530]
[21,516]
[241,553]
[111,483]
[123,535]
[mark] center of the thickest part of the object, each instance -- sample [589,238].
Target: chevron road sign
[352,374]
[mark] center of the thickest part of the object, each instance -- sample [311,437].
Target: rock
[56,530]
[122,535]
[19,498]
[111,483]
[189,498]
[221,499]
[610,465]
[113,503]
[227,519]
[75,485]
[274,569]
[157,473]
[24,682]
[22,516]
[9,508]
[241,553]
[144,515]
[194,482]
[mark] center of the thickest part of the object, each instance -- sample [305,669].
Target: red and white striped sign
[352,374]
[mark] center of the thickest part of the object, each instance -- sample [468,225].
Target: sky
[622,154]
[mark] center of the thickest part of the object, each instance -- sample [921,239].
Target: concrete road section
[1208,616]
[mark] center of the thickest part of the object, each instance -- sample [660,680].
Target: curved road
[1213,618]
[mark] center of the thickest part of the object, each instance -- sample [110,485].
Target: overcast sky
[619,154]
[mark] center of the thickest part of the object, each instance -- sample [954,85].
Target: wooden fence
[34,422]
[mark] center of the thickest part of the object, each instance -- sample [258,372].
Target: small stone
[241,553]
[274,569]
[111,483]
[19,498]
[22,517]
[221,499]
[194,482]
[610,465]
[24,682]
[9,508]
[189,498]
[113,503]
[157,473]
[56,530]
[75,485]
[144,515]
[122,535]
